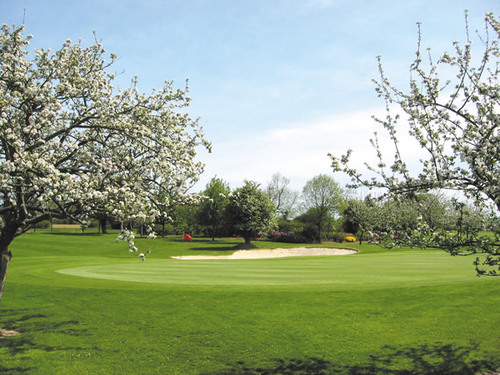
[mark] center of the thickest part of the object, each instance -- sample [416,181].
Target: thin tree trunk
[103,226]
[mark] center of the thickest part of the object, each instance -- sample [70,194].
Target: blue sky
[277,84]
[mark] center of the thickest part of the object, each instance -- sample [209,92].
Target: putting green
[399,269]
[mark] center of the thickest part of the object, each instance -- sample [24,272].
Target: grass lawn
[84,305]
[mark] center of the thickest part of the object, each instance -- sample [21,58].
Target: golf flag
[187,237]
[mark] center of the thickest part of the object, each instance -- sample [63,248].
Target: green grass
[84,305]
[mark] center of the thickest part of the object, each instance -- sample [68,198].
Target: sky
[276,84]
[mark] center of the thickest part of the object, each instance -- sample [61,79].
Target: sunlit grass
[83,304]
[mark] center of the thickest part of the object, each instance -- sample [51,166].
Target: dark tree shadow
[235,246]
[74,234]
[205,244]
[30,328]
[218,248]
[435,359]
[15,370]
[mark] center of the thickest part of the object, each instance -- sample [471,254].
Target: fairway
[337,272]
[84,305]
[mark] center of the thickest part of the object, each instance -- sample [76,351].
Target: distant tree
[456,122]
[250,212]
[286,200]
[401,215]
[394,218]
[308,221]
[467,219]
[324,197]
[360,217]
[211,213]
[71,144]
[183,219]
[435,210]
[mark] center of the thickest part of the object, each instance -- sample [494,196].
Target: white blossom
[73,146]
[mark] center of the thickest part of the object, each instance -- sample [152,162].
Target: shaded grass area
[386,312]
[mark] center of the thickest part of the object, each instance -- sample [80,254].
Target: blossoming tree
[451,109]
[72,145]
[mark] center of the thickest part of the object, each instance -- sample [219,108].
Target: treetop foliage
[250,211]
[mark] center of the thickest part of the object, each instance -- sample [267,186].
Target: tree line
[322,211]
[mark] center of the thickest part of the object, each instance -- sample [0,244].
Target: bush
[289,237]
[42,225]
[341,237]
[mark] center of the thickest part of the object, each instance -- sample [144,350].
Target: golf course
[80,303]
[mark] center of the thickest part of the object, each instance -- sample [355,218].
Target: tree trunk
[102,224]
[7,235]
[5,257]
[319,231]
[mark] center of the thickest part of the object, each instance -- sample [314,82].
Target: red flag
[187,237]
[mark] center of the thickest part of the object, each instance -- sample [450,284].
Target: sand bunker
[273,253]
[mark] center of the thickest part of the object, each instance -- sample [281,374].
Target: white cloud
[300,151]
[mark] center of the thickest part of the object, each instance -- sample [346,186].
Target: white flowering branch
[455,122]
[71,145]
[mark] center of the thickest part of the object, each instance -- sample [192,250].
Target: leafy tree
[468,219]
[250,212]
[212,209]
[72,146]
[360,217]
[456,122]
[401,215]
[435,210]
[183,219]
[324,197]
[308,223]
[286,200]
[394,218]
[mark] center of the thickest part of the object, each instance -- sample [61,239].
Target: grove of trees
[394,221]
[326,212]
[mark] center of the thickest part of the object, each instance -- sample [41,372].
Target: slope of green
[83,304]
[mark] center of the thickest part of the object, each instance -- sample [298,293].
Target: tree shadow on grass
[31,328]
[218,248]
[435,359]
[197,244]
[73,234]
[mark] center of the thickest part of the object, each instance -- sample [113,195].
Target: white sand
[273,253]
